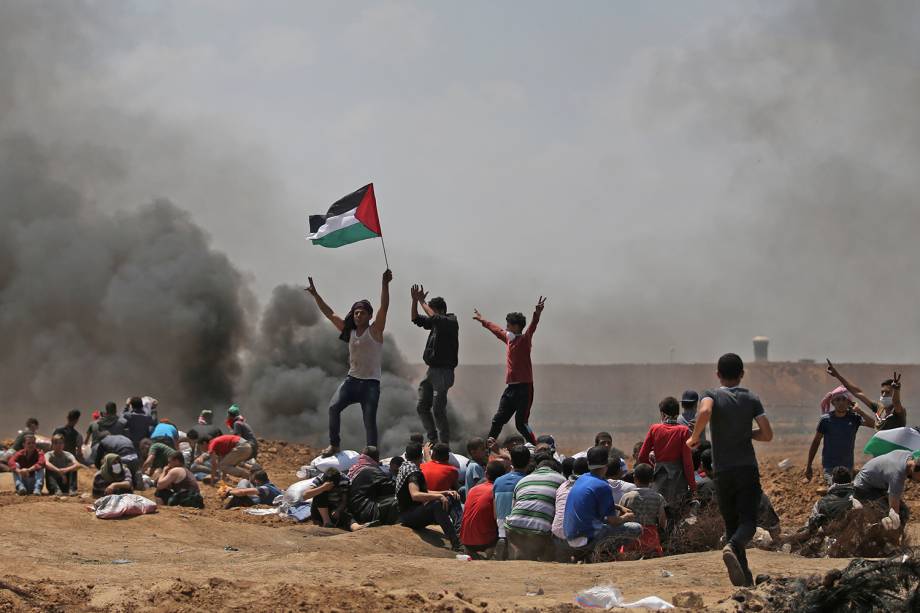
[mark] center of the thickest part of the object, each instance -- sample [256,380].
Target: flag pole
[384,245]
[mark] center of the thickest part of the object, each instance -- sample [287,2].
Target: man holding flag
[365,354]
[351,219]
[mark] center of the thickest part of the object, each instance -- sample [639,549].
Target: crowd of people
[518,499]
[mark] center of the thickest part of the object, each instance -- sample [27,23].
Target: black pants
[432,403]
[433,512]
[739,493]
[60,484]
[515,401]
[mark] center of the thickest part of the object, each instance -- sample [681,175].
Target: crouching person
[329,494]
[113,477]
[177,486]
[258,490]
[591,516]
[649,508]
[227,454]
[420,508]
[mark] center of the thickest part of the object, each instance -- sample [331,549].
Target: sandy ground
[59,557]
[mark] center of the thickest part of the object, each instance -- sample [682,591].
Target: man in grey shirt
[732,410]
[887,475]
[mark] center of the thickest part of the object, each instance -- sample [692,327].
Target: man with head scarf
[113,477]
[837,426]
[889,411]
[365,357]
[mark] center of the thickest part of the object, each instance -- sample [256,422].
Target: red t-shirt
[440,477]
[669,442]
[223,444]
[518,368]
[478,526]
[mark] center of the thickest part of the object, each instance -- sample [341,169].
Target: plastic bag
[343,460]
[608,596]
[123,505]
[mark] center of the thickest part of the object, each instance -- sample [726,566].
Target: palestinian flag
[904,439]
[349,220]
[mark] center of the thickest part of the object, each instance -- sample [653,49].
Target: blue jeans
[628,530]
[432,398]
[365,392]
[32,482]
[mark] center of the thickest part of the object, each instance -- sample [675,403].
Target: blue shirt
[268,493]
[839,439]
[166,430]
[503,490]
[588,506]
[474,473]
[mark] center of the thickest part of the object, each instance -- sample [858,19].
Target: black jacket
[443,343]
[372,497]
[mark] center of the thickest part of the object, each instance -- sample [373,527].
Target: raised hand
[311,289]
[477,315]
[414,292]
[832,370]
[896,380]
[387,276]
[540,304]
[422,294]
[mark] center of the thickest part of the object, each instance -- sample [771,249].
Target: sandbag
[123,505]
[294,493]
[343,460]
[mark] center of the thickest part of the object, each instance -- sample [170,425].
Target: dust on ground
[59,557]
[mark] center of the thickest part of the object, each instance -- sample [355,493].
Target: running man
[732,408]
[365,355]
[518,396]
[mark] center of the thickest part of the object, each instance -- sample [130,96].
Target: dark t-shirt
[839,439]
[733,410]
[117,444]
[443,344]
[72,438]
[890,420]
[404,498]
[138,426]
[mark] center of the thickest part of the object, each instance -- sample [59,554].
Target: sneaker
[735,572]
[21,491]
[329,451]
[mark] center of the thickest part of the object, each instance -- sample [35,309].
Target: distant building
[761,345]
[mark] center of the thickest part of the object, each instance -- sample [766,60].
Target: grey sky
[670,174]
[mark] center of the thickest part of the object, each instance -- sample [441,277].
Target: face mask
[885,401]
[116,469]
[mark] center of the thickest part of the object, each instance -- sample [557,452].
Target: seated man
[591,516]
[478,531]
[648,507]
[475,469]
[28,466]
[247,492]
[228,454]
[420,507]
[615,474]
[122,446]
[372,493]
[440,475]
[177,486]
[503,490]
[883,478]
[529,524]
[572,468]
[113,477]
[60,469]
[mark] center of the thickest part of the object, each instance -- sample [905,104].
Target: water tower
[761,344]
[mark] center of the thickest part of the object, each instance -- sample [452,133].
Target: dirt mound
[19,594]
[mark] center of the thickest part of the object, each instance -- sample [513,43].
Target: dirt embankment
[59,557]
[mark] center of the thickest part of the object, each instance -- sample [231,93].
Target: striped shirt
[535,502]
